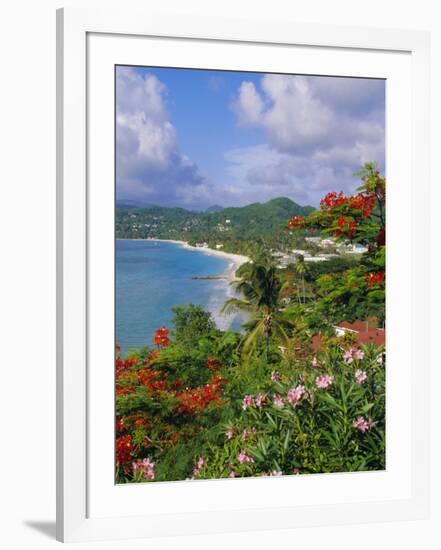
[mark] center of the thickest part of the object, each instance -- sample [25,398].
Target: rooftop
[364,333]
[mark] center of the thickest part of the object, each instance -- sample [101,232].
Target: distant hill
[229,226]
[127,203]
[214,208]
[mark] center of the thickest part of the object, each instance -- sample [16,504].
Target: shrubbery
[206,412]
[202,403]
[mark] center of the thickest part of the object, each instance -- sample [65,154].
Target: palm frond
[279,332]
[236,304]
[250,341]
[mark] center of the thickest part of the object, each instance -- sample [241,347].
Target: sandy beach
[236,260]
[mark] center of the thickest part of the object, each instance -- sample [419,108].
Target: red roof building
[363,332]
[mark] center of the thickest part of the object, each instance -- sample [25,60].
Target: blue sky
[193,138]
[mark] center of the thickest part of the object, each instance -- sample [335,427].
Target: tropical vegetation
[242,230]
[201,403]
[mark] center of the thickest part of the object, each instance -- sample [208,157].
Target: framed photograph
[240,335]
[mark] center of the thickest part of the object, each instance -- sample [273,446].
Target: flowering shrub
[321,413]
[374,278]
[194,406]
[333,422]
[192,401]
[163,399]
[124,451]
[357,292]
[144,468]
[161,337]
[358,218]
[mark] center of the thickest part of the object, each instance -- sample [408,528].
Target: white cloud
[149,163]
[286,109]
[319,131]
[301,113]
[261,172]
[249,105]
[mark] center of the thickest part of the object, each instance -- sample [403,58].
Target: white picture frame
[77,400]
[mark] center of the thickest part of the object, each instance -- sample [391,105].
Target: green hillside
[231,227]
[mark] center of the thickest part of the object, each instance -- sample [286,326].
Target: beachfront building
[357,248]
[321,242]
[318,258]
[292,257]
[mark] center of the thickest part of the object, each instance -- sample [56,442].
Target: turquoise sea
[154,276]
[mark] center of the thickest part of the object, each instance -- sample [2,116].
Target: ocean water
[154,276]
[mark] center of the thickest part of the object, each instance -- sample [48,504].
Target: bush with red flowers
[194,405]
[358,218]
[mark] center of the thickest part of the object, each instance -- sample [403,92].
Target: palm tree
[261,295]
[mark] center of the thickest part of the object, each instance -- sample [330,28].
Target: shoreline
[236,260]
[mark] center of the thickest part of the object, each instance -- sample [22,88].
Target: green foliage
[247,230]
[192,324]
[348,296]
[333,265]
[212,404]
[261,289]
[358,218]
[317,433]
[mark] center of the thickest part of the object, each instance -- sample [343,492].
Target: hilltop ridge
[231,224]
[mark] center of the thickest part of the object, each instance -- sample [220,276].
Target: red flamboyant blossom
[296,222]
[122,365]
[124,390]
[365,203]
[161,338]
[124,450]
[374,278]
[213,364]
[140,422]
[346,227]
[153,379]
[332,199]
[346,210]
[194,400]
[119,424]
[361,201]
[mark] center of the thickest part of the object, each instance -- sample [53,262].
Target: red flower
[332,199]
[148,377]
[374,278]
[161,337]
[119,424]
[192,401]
[124,390]
[363,202]
[346,227]
[213,364]
[175,437]
[141,422]
[296,222]
[122,365]
[124,450]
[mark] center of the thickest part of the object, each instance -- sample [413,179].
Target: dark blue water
[154,276]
